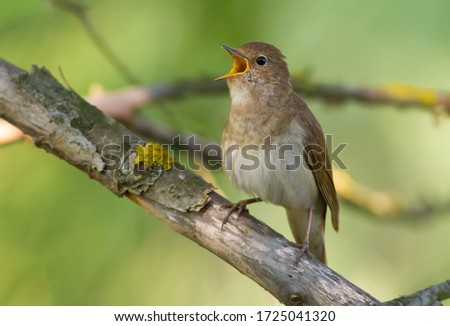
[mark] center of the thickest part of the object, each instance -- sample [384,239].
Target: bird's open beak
[240,65]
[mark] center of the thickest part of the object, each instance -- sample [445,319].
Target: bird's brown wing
[315,154]
[318,161]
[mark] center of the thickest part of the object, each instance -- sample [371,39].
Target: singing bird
[273,146]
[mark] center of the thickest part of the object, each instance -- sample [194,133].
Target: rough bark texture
[65,125]
[430,296]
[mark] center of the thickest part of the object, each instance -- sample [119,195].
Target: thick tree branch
[65,125]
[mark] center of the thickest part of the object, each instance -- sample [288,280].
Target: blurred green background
[65,240]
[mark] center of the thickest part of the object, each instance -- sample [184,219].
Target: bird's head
[259,63]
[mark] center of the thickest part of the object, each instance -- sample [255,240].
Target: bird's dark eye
[261,60]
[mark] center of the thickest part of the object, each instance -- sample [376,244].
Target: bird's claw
[239,207]
[304,250]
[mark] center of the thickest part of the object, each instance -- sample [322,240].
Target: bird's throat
[240,95]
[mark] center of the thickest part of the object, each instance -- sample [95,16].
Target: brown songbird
[273,146]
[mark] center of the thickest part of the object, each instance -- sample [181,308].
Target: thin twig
[81,12]
[400,95]
[64,79]
[430,296]
[396,94]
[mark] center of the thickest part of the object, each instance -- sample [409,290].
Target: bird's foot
[239,207]
[304,250]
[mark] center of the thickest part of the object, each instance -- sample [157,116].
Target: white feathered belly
[282,179]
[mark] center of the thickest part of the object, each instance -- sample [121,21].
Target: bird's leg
[240,206]
[305,242]
[304,246]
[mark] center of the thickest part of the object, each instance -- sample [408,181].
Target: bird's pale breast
[277,174]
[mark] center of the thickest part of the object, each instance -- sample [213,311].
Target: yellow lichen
[407,92]
[153,154]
